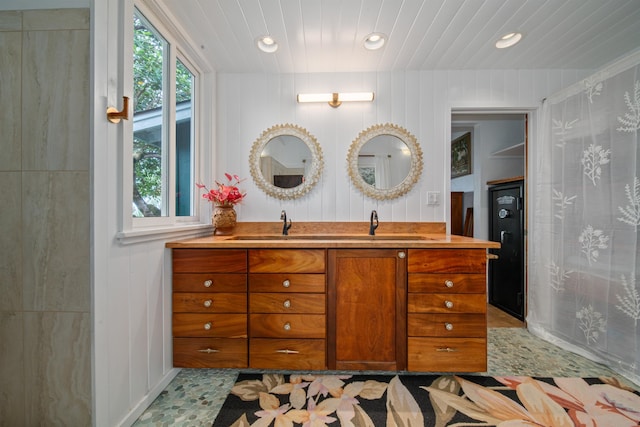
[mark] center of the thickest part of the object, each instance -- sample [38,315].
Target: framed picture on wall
[461,155]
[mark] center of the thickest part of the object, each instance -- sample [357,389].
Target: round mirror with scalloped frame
[385,161]
[286,161]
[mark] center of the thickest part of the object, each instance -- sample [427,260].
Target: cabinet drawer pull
[287,351]
[286,283]
[448,304]
[448,326]
[287,326]
[208,283]
[402,254]
[287,304]
[207,326]
[208,303]
[446,349]
[209,351]
[448,283]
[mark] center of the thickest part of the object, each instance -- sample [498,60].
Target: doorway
[498,141]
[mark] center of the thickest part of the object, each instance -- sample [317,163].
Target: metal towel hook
[114,116]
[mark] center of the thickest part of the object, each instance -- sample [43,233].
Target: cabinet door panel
[367,292]
[287,303]
[447,261]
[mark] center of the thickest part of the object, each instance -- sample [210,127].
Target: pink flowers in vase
[225,194]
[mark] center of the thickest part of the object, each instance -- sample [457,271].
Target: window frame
[134,229]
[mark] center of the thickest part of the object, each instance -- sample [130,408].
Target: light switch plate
[433,197]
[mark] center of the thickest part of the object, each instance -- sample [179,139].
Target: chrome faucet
[373,223]
[285,226]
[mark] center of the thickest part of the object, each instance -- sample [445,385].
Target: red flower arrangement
[226,194]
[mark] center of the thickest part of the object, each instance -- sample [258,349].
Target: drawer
[296,354]
[209,325]
[286,260]
[277,282]
[447,261]
[209,260]
[450,283]
[447,303]
[210,353]
[447,325]
[209,282]
[287,325]
[447,354]
[287,303]
[201,302]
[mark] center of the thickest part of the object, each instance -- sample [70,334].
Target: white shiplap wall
[420,101]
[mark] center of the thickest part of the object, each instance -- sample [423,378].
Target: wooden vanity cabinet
[367,303]
[446,310]
[287,309]
[209,308]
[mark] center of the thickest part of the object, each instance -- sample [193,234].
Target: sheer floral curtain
[584,291]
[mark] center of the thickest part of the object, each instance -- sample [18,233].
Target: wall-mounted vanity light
[335,99]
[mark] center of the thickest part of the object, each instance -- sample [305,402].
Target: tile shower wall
[45,349]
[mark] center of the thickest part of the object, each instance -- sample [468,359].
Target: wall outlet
[433,197]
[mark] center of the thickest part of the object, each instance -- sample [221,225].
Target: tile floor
[195,396]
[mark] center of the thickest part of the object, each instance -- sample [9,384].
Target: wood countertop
[336,235]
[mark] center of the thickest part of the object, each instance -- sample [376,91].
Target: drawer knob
[448,304]
[208,303]
[448,326]
[446,349]
[402,254]
[209,351]
[207,326]
[287,326]
[287,304]
[208,283]
[286,283]
[448,283]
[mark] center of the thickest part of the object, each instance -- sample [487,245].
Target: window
[164,140]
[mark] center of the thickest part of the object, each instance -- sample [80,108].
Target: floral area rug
[427,400]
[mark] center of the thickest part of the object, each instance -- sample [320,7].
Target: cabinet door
[366,307]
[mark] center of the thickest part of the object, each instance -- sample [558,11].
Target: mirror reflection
[286,161]
[385,161]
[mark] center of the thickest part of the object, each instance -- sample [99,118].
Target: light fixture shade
[508,40]
[335,99]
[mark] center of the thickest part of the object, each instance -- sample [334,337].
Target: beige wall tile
[56,19]
[55,232]
[10,20]
[57,359]
[55,100]
[10,81]
[12,411]
[10,242]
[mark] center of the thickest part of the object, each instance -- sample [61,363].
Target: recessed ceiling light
[508,40]
[266,44]
[374,41]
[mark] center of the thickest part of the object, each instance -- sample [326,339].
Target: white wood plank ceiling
[327,35]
